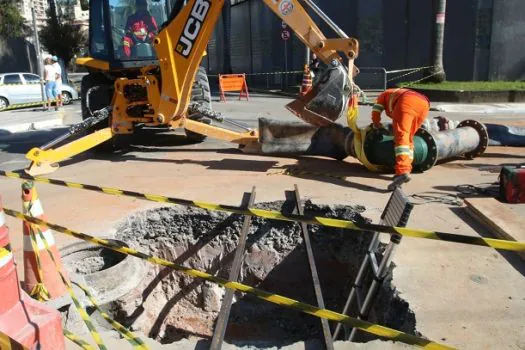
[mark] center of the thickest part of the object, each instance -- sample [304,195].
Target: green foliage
[62,36]
[11,22]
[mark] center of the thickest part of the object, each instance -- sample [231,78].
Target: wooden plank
[502,222]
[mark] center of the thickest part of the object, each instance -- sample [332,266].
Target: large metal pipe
[503,135]
[469,139]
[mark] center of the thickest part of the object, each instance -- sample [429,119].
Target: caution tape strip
[75,339]
[81,310]
[127,334]
[267,73]
[275,215]
[22,105]
[8,343]
[39,291]
[375,329]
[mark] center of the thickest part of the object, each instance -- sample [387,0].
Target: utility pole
[438,71]
[38,52]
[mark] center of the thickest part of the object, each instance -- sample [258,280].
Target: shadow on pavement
[512,258]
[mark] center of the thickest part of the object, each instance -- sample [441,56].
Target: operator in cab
[141,28]
[408,110]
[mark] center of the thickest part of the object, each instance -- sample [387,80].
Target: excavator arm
[180,46]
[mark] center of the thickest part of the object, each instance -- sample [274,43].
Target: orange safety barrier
[233,82]
[306,86]
[24,322]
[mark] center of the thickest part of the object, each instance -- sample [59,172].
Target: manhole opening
[92,259]
[170,306]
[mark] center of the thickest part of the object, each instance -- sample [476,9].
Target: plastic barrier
[233,82]
[23,319]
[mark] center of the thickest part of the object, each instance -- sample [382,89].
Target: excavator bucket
[328,99]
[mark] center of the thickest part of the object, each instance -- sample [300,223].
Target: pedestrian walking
[58,82]
[50,77]
[408,110]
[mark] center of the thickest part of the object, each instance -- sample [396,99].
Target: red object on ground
[51,279]
[512,184]
[28,322]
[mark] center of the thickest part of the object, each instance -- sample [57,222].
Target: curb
[45,124]
[464,96]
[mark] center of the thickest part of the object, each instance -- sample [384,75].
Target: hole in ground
[170,306]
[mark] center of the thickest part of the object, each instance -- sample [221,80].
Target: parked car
[27,89]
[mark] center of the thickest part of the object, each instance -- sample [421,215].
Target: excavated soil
[170,306]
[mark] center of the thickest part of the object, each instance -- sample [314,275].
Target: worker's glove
[377,131]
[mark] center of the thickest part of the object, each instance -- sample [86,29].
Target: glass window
[12,79]
[98,46]
[134,25]
[31,79]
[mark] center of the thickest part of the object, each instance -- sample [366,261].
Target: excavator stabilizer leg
[46,161]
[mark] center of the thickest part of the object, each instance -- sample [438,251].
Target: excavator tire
[200,93]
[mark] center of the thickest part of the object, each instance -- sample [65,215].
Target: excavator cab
[122,32]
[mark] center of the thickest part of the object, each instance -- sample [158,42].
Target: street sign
[285,34]
[284,25]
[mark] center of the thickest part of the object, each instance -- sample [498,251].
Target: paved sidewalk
[27,119]
[489,108]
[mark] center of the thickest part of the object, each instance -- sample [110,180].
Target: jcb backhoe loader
[141,74]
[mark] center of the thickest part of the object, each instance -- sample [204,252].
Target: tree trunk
[438,71]
[226,30]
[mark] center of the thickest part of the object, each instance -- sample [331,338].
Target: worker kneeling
[408,110]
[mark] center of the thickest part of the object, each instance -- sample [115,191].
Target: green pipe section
[379,150]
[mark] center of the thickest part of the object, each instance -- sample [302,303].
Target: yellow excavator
[148,74]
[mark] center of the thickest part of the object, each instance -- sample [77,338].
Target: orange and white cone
[306,86]
[42,280]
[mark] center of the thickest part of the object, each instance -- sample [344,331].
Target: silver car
[27,89]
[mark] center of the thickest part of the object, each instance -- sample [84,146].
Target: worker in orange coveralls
[408,110]
[140,27]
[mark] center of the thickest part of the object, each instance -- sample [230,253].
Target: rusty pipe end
[483,137]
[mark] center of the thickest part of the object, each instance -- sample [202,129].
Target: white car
[26,89]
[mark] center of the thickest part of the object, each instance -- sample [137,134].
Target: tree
[438,71]
[11,22]
[61,36]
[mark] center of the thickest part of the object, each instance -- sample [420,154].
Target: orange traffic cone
[25,321]
[42,280]
[306,86]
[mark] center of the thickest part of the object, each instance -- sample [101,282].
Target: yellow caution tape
[83,314]
[127,334]
[22,105]
[360,137]
[39,291]
[378,330]
[75,339]
[275,215]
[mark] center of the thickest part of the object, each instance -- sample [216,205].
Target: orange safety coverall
[408,110]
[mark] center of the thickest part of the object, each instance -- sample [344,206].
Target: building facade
[482,37]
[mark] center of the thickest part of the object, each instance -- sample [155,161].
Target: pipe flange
[483,137]
[432,150]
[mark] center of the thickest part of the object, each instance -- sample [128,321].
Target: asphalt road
[14,146]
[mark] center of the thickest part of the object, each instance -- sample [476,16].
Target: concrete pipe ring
[110,275]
